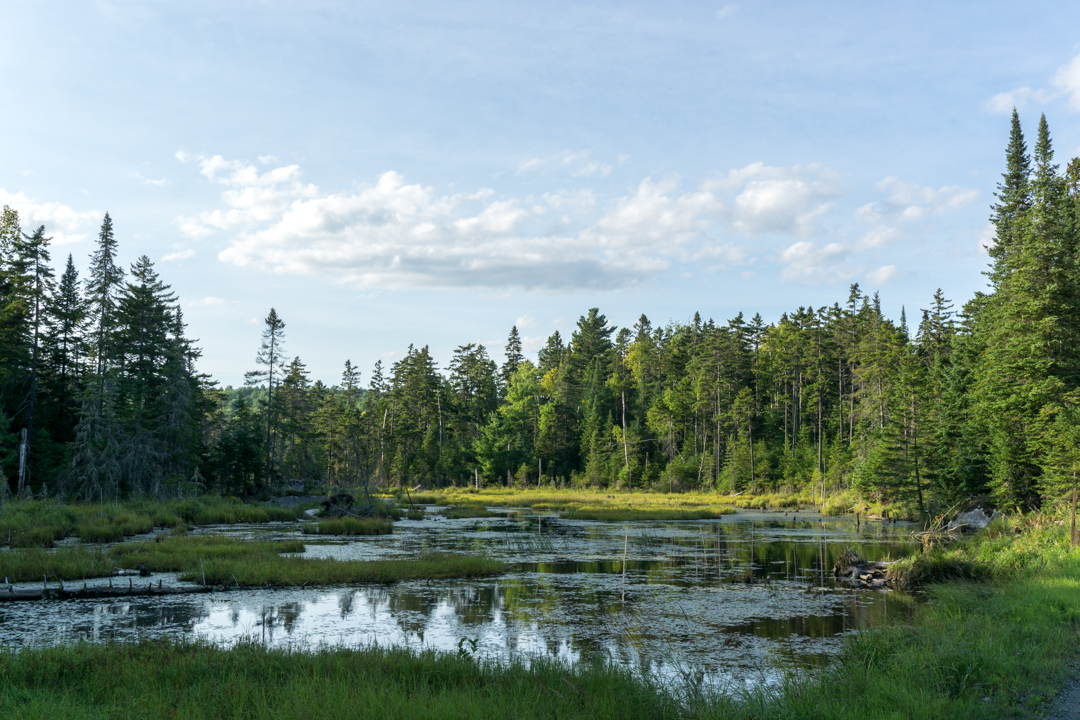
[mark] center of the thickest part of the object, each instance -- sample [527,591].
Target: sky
[431,173]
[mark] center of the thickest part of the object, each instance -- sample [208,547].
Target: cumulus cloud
[906,205]
[399,234]
[210,301]
[805,262]
[882,275]
[62,224]
[1064,83]
[785,200]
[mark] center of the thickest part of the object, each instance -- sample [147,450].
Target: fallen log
[852,571]
[90,593]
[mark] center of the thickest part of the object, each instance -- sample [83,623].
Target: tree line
[100,396]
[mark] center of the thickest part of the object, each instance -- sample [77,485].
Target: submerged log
[852,571]
[90,593]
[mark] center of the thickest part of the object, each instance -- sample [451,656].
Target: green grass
[199,681]
[35,523]
[274,571]
[231,561]
[68,564]
[630,514]
[458,513]
[349,526]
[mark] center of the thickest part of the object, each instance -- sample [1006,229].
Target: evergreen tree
[271,355]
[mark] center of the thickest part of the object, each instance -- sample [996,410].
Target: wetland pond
[734,601]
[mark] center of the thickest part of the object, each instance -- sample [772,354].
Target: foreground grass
[164,680]
[995,648]
[230,561]
[33,523]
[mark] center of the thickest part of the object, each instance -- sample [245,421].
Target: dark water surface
[736,600]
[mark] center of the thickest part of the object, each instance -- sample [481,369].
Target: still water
[732,601]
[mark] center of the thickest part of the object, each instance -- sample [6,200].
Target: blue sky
[433,173]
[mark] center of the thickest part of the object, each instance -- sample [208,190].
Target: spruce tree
[271,355]
[513,358]
[102,289]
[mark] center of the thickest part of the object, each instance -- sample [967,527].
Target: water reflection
[736,600]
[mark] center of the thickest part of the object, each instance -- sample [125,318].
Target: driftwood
[852,571]
[89,593]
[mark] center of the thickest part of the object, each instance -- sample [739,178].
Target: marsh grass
[34,523]
[980,650]
[200,681]
[233,561]
[458,513]
[349,526]
[277,571]
[610,514]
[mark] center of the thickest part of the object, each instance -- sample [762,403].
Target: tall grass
[32,523]
[232,561]
[200,681]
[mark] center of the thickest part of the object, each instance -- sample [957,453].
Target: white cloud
[1065,83]
[786,200]
[525,322]
[882,275]
[150,181]
[183,156]
[398,234]
[252,197]
[1004,102]
[211,301]
[805,262]
[904,206]
[62,224]
[179,255]
[267,159]
[727,11]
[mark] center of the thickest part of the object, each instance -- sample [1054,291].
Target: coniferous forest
[100,397]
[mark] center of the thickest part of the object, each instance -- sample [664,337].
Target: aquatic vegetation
[349,526]
[36,523]
[458,513]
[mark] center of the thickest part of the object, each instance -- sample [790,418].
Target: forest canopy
[100,396]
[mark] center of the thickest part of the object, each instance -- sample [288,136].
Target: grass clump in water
[458,513]
[38,523]
[631,514]
[234,561]
[349,526]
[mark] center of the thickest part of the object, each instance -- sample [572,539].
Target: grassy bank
[230,561]
[34,523]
